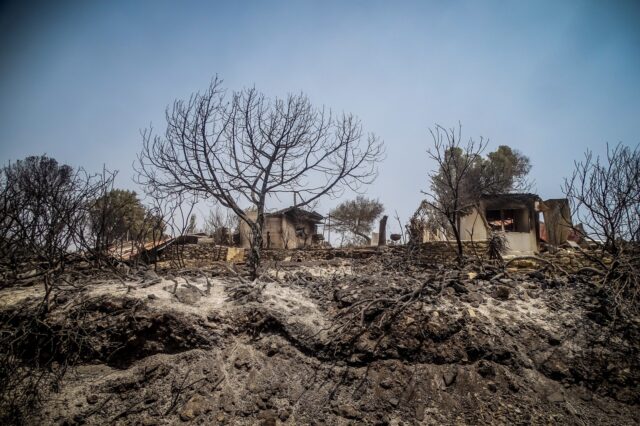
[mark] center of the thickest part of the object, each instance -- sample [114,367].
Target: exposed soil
[345,341]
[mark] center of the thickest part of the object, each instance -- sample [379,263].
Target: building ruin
[517,217]
[288,228]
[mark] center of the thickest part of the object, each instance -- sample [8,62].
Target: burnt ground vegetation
[376,339]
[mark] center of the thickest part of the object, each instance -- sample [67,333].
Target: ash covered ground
[342,341]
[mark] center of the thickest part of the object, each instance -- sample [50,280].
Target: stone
[152,296]
[474,297]
[584,394]
[501,293]
[458,287]
[555,397]
[450,377]
[485,369]
[193,408]
[538,275]
[266,414]
[420,411]
[284,414]
[394,401]
[188,295]
[553,339]
[148,420]
[92,399]
[240,363]
[386,383]
[347,411]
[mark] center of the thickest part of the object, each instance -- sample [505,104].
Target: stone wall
[428,253]
[195,254]
[571,260]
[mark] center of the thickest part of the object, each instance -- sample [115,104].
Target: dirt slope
[345,342]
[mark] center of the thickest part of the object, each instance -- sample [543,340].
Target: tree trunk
[256,246]
[382,232]
[365,237]
[456,234]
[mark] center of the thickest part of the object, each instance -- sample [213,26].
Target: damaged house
[288,228]
[518,217]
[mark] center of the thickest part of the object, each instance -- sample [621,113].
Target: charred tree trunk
[382,232]
[456,233]
[256,245]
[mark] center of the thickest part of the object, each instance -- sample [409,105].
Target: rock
[284,414]
[486,370]
[272,349]
[553,339]
[62,299]
[554,366]
[420,411]
[458,287]
[394,401]
[474,297]
[450,377]
[193,408]
[347,411]
[268,417]
[449,291]
[240,363]
[492,387]
[501,293]
[152,297]
[538,275]
[555,397]
[584,394]
[151,275]
[386,383]
[148,420]
[188,295]
[92,399]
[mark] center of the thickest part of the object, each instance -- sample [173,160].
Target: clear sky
[79,80]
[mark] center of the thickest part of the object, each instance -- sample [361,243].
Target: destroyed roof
[513,196]
[299,214]
[510,200]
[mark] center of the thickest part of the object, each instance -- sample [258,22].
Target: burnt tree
[605,196]
[43,218]
[464,175]
[453,193]
[242,149]
[605,199]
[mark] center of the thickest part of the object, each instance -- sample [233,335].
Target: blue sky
[79,80]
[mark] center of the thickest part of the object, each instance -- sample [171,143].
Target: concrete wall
[472,227]
[521,243]
[282,232]
[557,220]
